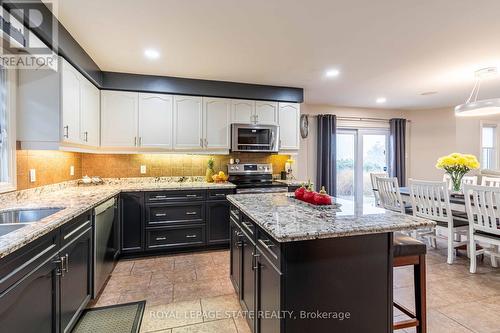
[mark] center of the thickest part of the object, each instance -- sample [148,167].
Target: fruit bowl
[220,178]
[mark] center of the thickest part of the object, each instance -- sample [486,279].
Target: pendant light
[483,107]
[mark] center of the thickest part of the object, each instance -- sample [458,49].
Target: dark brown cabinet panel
[247,288]
[218,222]
[181,195]
[75,278]
[31,304]
[235,255]
[268,295]
[132,221]
[177,213]
[158,238]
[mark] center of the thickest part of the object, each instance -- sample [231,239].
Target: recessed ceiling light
[332,73]
[428,93]
[381,100]
[151,54]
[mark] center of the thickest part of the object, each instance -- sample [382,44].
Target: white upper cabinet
[90,106]
[188,120]
[119,117]
[70,103]
[289,121]
[155,120]
[266,113]
[242,111]
[216,123]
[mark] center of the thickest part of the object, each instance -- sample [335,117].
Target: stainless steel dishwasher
[105,245]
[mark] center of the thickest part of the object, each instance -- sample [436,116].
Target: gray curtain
[397,149]
[327,149]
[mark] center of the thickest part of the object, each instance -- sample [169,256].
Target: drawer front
[269,247]
[167,196]
[175,237]
[177,213]
[218,194]
[234,213]
[74,228]
[248,227]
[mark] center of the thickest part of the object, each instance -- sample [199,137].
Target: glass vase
[456,183]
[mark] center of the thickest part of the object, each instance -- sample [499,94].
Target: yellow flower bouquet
[457,165]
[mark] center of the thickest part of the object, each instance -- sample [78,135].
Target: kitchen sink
[6,228]
[26,215]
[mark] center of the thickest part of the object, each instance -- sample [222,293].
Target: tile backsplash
[54,166]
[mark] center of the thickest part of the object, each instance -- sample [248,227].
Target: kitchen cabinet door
[216,123]
[235,255]
[266,113]
[70,103]
[268,295]
[218,222]
[75,283]
[90,113]
[289,119]
[242,111]
[132,222]
[247,288]
[31,306]
[188,123]
[155,120]
[119,116]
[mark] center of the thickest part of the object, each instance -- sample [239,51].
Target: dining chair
[471,180]
[431,200]
[389,194]
[373,178]
[483,209]
[490,181]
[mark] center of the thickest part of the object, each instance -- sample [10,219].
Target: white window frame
[484,124]
[11,184]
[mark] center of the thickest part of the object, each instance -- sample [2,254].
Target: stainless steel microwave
[254,138]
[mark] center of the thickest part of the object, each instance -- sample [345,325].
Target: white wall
[305,167]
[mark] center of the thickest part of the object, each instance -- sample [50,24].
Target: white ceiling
[392,48]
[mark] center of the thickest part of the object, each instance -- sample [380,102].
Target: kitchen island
[297,268]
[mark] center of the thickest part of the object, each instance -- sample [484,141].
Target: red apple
[322,198]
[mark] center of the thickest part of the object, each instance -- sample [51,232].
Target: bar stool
[409,251]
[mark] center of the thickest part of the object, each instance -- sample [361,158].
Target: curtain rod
[357,118]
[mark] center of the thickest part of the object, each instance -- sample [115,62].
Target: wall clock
[304,126]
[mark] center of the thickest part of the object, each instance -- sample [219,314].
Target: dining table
[457,201]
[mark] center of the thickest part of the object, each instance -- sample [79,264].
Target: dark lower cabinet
[132,221]
[235,255]
[268,295]
[218,222]
[31,304]
[76,287]
[247,287]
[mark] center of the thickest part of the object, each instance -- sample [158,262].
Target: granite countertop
[76,200]
[291,182]
[286,219]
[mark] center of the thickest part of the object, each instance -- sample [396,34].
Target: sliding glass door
[359,153]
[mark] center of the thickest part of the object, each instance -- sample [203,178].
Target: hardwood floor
[192,293]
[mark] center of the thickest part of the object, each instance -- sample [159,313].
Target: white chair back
[430,200]
[483,208]
[390,197]
[373,178]
[490,181]
[471,180]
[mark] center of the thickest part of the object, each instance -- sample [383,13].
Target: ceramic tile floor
[193,293]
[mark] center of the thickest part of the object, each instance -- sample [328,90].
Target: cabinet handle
[66,131]
[266,243]
[206,143]
[191,195]
[140,141]
[248,227]
[59,269]
[161,214]
[161,238]
[190,213]
[201,143]
[135,141]
[160,196]
[66,263]
[254,260]
[86,136]
[190,236]
[220,195]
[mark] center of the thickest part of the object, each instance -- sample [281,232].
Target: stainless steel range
[254,178]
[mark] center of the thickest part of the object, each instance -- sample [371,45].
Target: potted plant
[456,165]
